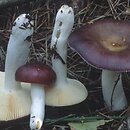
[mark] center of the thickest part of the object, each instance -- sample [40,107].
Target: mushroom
[66,91]
[13,96]
[40,76]
[105,44]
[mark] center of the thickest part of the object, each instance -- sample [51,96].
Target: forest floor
[44,13]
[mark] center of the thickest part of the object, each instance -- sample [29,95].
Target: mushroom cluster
[105,44]
[15,81]
[13,95]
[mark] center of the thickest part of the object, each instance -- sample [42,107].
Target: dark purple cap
[104,44]
[35,73]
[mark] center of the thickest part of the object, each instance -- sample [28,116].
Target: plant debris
[44,13]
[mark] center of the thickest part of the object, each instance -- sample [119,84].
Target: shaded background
[44,12]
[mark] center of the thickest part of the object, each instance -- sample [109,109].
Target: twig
[122,126]
[118,78]
[12,2]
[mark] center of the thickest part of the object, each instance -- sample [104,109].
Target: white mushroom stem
[37,107]
[62,29]
[59,67]
[14,59]
[17,51]
[114,97]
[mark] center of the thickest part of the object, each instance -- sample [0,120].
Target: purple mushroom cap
[104,44]
[35,73]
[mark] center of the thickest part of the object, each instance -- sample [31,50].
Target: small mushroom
[40,76]
[105,44]
[66,92]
